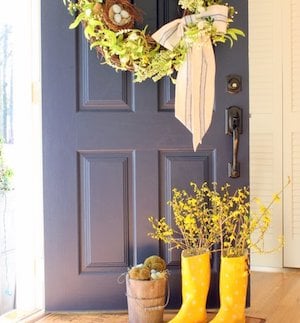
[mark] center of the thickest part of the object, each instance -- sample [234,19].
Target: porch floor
[275,297]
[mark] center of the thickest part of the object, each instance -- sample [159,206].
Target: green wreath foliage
[134,50]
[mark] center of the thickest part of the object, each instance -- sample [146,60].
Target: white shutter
[265,69]
[291,136]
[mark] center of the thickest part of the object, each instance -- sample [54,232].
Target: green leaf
[95,22]
[95,44]
[232,35]
[77,21]
[230,40]
[88,30]
[236,31]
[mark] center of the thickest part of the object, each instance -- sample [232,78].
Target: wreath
[108,26]
[184,45]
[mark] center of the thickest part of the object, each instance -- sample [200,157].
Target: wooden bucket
[146,300]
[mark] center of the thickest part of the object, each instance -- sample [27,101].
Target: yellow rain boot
[195,274]
[233,290]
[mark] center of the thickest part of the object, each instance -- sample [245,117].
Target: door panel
[113,151]
[97,169]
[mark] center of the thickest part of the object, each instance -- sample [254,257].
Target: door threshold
[15,316]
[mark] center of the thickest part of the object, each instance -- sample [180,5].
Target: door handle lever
[233,127]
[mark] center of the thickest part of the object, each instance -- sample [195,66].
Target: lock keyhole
[233,120]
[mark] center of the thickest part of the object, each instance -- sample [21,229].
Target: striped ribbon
[195,84]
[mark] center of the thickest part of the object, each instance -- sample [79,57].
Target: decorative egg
[159,275]
[116,8]
[124,14]
[117,18]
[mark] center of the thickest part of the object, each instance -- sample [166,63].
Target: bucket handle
[122,278]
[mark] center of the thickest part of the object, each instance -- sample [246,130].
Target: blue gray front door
[112,152]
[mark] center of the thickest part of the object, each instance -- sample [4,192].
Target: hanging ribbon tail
[195,84]
[195,91]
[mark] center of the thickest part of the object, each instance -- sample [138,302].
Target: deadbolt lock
[234,84]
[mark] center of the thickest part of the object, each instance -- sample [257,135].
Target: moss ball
[139,273]
[156,263]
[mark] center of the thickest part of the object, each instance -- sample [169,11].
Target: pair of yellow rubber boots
[195,273]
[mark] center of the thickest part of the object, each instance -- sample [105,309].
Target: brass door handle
[233,127]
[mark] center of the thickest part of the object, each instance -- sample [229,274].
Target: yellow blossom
[208,216]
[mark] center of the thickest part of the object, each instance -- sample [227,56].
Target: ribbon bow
[195,84]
